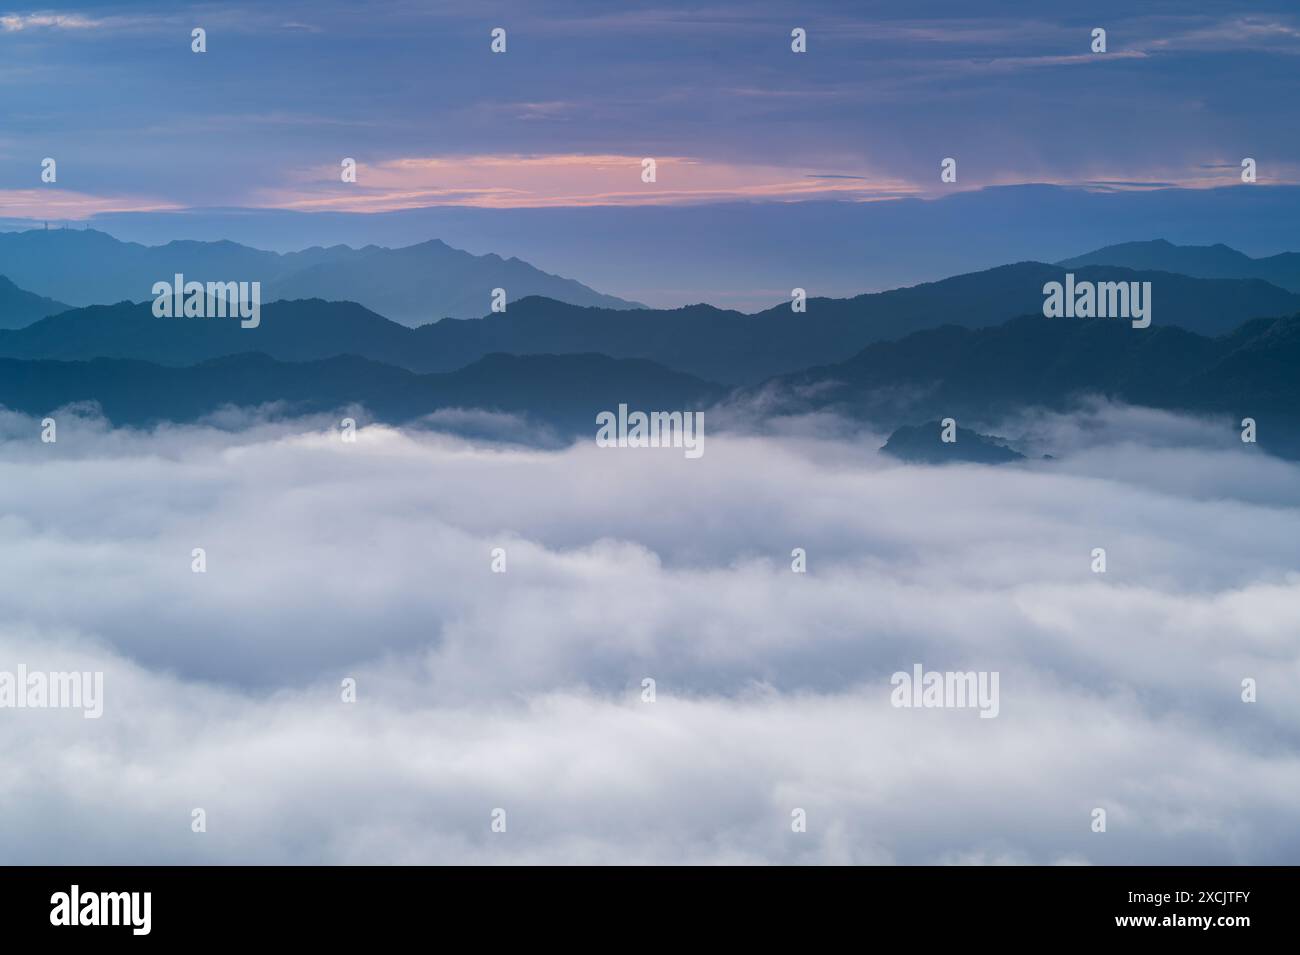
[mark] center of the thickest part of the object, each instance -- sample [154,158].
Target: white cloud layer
[522,690]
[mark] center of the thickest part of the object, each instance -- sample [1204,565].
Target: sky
[585,91]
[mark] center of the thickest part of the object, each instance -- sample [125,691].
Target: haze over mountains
[413,285]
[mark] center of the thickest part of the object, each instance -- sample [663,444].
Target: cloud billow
[523,690]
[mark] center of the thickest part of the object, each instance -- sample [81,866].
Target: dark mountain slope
[980,374]
[19,308]
[289,331]
[563,391]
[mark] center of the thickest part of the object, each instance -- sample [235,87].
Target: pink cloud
[520,181]
[51,202]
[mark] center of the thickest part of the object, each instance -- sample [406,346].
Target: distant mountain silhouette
[714,344]
[922,443]
[429,281]
[563,391]
[1200,261]
[978,375]
[413,285]
[19,307]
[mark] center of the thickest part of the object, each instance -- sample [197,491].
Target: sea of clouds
[522,691]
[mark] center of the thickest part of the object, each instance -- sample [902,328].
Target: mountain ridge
[412,284]
[560,391]
[973,375]
[1216,261]
[979,375]
[711,343]
[19,307]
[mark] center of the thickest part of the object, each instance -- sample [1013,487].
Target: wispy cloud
[880,98]
[534,181]
[16,22]
[55,203]
[516,181]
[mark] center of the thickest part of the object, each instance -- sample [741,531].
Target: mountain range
[714,344]
[972,374]
[1228,347]
[412,285]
